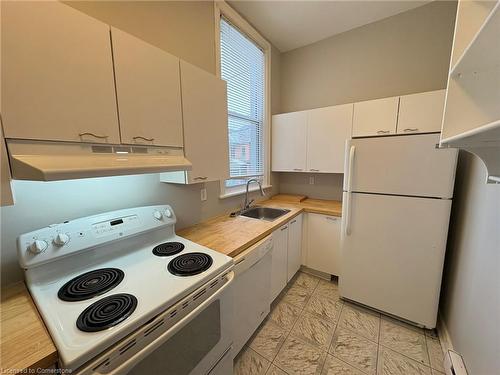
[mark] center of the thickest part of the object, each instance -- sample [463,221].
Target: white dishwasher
[251,288]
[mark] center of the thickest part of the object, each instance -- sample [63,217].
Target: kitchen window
[243,63]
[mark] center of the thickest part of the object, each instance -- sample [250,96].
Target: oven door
[195,345]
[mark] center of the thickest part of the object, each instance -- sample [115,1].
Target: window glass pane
[242,67]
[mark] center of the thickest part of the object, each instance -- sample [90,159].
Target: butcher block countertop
[232,235]
[24,342]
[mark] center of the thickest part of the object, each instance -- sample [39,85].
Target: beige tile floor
[311,331]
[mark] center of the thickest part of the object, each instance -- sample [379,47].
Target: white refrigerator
[395,215]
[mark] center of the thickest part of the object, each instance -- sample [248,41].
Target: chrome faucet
[247,203]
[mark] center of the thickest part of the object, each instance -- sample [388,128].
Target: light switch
[311,180]
[203,194]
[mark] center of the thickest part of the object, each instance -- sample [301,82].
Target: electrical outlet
[203,194]
[311,180]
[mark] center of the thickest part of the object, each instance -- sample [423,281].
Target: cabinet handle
[314,170]
[297,169]
[144,138]
[240,261]
[200,178]
[383,131]
[331,218]
[291,222]
[94,135]
[284,228]
[411,130]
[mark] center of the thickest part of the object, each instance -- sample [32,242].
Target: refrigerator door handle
[352,150]
[348,214]
[349,191]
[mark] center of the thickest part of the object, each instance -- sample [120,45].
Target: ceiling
[292,24]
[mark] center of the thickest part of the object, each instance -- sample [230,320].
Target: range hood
[52,161]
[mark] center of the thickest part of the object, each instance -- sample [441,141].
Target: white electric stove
[118,291]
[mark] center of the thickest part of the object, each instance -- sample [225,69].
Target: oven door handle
[126,366]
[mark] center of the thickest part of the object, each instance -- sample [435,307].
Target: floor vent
[454,364]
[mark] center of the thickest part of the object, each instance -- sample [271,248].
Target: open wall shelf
[472,110]
[483,52]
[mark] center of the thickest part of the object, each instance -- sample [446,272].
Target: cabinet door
[57,73]
[327,130]
[421,113]
[323,243]
[294,246]
[279,261]
[148,91]
[375,117]
[289,142]
[204,109]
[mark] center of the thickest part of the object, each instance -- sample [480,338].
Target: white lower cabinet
[323,243]
[294,257]
[321,251]
[279,263]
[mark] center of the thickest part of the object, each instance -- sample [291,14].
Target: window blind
[242,67]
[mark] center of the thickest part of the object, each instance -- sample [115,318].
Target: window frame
[221,8]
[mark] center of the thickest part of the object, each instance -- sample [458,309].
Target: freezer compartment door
[402,165]
[392,260]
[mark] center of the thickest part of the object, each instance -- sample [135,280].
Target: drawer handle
[240,261]
[411,130]
[314,170]
[200,178]
[383,131]
[143,138]
[297,169]
[291,222]
[94,135]
[331,218]
[282,229]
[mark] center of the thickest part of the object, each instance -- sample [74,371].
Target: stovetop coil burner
[189,264]
[107,312]
[168,248]
[90,284]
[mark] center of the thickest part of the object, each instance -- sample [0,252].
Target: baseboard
[319,274]
[443,334]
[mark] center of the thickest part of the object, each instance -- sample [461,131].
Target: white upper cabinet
[289,140]
[421,113]
[148,91]
[375,117]
[204,108]
[327,130]
[57,74]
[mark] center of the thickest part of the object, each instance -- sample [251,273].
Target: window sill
[242,191]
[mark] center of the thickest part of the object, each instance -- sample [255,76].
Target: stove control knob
[157,214]
[168,213]
[38,246]
[61,239]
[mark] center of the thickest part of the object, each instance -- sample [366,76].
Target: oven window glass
[182,352]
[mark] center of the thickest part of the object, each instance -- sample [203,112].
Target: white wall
[470,300]
[326,185]
[405,53]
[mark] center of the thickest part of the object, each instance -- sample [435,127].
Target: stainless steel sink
[264,213]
